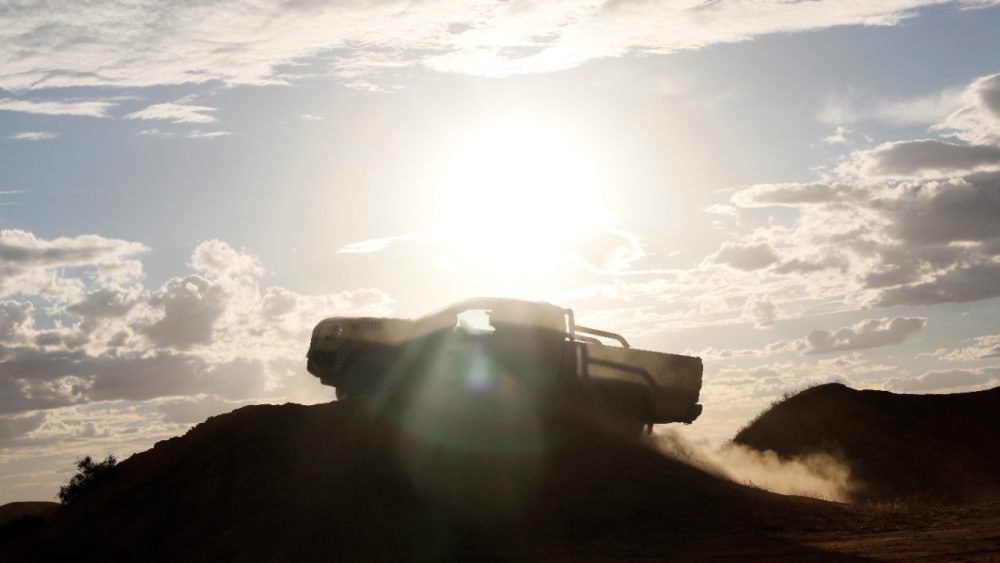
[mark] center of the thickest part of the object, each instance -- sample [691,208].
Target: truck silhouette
[529,350]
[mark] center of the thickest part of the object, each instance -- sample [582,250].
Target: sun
[519,197]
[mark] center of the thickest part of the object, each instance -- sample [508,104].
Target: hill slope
[337,482]
[15,510]
[935,446]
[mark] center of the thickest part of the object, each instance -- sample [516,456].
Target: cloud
[154,132]
[712,354]
[146,43]
[196,134]
[958,285]
[103,304]
[32,136]
[49,107]
[191,305]
[89,358]
[745,257]
[195,410]
[175,113]
[380,244]
[28,264]
[872,333]
[12,427]
[867,334]
[760,311]
[216,259]
[927,156]
[605,250]
[16,321]
[32,379]
[854,107]
[214,331]
[959,211]
[22,248]
[982,348]
[901,224]
[789,194]
[601,248]
[207,134]
[978,120]
[838,137]
[946,381]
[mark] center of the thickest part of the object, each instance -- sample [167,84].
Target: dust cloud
[818,475]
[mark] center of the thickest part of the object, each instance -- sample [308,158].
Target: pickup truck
[506,347]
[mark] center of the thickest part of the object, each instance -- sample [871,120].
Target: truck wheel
[628,427]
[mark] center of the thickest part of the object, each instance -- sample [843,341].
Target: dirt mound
[940,447]
[19,518]
[339,482]
[15,510]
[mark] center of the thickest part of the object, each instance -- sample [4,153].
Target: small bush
[90,476]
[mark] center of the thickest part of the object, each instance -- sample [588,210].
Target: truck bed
[674,380]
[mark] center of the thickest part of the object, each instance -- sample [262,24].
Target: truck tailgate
[674,380]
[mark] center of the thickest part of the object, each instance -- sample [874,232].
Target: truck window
[474,321]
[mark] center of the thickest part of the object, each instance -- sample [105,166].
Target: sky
[797,192]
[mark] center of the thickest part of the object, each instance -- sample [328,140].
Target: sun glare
[519,197]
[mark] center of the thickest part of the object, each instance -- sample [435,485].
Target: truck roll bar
[604,334]
[574,328]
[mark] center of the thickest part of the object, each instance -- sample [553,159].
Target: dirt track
[915,532]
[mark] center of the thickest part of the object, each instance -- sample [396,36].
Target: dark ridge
[14,510]
[337,482]
[939,447]
[18,518]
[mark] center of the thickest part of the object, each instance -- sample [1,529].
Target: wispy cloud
[146,42]
[853,107]
[154,132]
[380,244]
[33,136]
[8,204]
[872,333]
[978,120]
[175,113]
[745,257]
[950,380]
[981,348]
[207,134]
[91,108]
[926,157]
[838,137]
[196,134]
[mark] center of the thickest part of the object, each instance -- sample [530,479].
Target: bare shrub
[90,476]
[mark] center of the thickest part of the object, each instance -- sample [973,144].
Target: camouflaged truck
[530,350]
